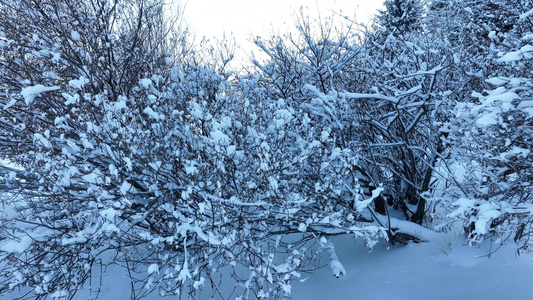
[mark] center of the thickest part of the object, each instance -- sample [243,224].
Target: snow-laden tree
[319,53]
[468,29]
[495,131]
[401,16]
[386,100]
[404,131]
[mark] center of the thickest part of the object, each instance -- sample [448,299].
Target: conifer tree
[400,16]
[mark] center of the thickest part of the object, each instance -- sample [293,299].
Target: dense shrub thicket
[130,146]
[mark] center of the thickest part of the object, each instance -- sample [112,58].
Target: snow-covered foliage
[401,16]
[131,148]
[498,119]
[378,100]
[171,168]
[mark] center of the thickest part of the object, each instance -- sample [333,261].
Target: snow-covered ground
[441,269]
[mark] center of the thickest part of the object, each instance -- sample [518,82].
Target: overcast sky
[246,18]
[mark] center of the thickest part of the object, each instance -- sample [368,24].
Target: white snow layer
[78,83]
[18,245]
[31,92]
[336,266]
[74,35]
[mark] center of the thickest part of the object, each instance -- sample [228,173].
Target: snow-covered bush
[133,151]
[130,156]
[384,97]
[494,131]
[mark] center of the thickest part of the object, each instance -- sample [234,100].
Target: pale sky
[246,18]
